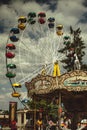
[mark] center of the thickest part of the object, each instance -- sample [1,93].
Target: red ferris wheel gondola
[41,20]
[10,46]
[10,55]
[42,14]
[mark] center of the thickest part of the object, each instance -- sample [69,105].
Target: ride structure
[40,55]
[25,48]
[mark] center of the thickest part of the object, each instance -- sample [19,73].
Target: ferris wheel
[32,48]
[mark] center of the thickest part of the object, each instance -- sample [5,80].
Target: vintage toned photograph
[43,64]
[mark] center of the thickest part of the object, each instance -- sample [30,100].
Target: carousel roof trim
[71,81]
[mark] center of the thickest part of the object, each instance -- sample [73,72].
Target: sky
[66,12]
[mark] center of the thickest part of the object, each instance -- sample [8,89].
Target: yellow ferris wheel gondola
[16,94]
[16,85]
[56,69]
[21,26]
[59,29]
[22,19]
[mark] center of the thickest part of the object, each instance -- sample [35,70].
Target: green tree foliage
[48,107]
[73,49]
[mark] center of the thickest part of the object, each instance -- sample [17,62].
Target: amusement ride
[34,44]
[34,59]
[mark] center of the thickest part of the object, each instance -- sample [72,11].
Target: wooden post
[34,113]
[59,111]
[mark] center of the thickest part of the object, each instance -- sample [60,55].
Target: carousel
[70,89]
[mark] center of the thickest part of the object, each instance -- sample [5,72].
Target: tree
[74,51]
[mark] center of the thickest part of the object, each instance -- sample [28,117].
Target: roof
[71,81]
[71,85]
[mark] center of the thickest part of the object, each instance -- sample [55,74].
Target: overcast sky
[66,12]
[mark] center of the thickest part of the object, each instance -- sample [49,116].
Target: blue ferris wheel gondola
[15,31]
[51,25]
[51,19]
[14,38]
[25,100]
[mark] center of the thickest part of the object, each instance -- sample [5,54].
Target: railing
[6,128]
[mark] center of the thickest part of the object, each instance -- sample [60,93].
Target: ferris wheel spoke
[32,76]
[50,69]
[55,43]
[28,76]
[24,45]
[61,57]
[35,64]
[46,49]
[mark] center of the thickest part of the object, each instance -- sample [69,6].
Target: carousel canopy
[72,85]
[71,81]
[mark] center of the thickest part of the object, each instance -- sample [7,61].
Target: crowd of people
[50,124]
[63,124]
